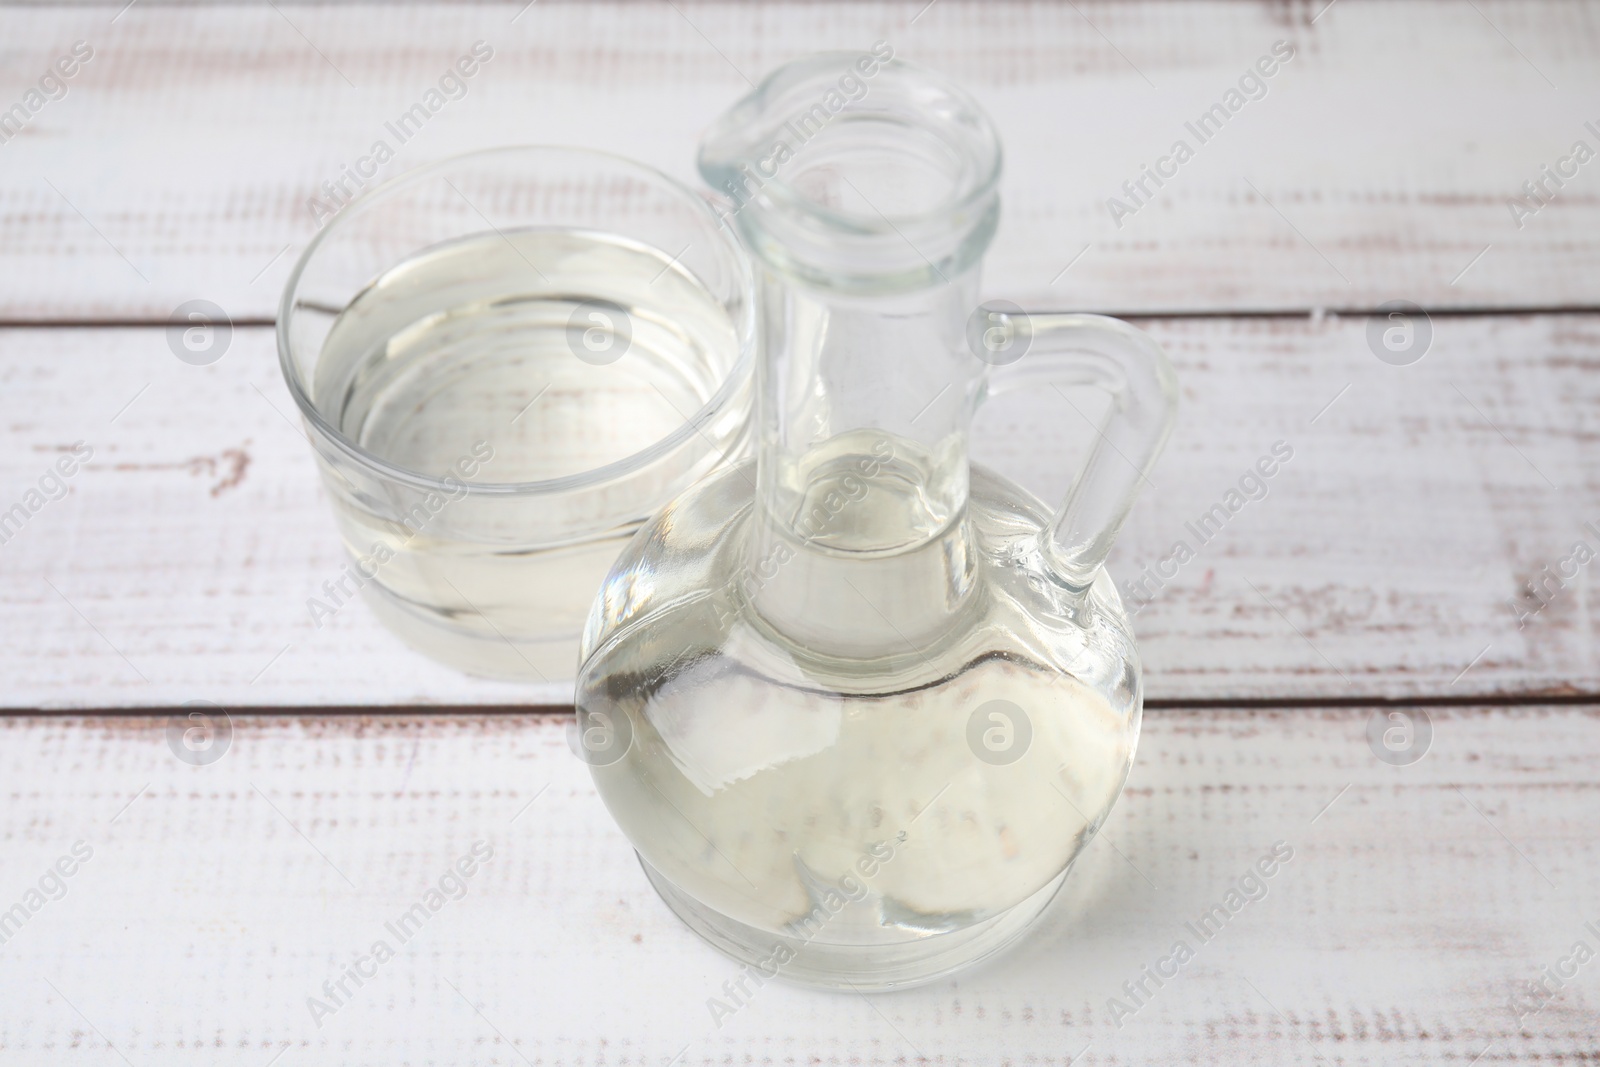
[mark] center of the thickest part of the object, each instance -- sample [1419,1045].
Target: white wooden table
[1380,572]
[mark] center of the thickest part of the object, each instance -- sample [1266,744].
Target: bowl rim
[695,425]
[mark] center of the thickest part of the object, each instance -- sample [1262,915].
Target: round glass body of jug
[859,704]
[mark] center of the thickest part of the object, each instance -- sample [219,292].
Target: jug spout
[856,171]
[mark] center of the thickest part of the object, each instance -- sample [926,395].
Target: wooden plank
[1382,561]
[1378,166]
[1419,901]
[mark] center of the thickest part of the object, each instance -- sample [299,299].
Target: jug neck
[866,191]
[860,547]
[865,400]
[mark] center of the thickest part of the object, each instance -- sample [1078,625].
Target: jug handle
[1071,349]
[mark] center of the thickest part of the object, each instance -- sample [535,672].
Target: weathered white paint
[218,899]
[1378,165]
[1391,542]
[1421,899]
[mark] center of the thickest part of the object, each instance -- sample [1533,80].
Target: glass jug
[858,704]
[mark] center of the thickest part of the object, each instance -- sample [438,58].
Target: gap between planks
[1454,312]
[498,711]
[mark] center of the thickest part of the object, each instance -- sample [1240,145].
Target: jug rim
[718,158]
